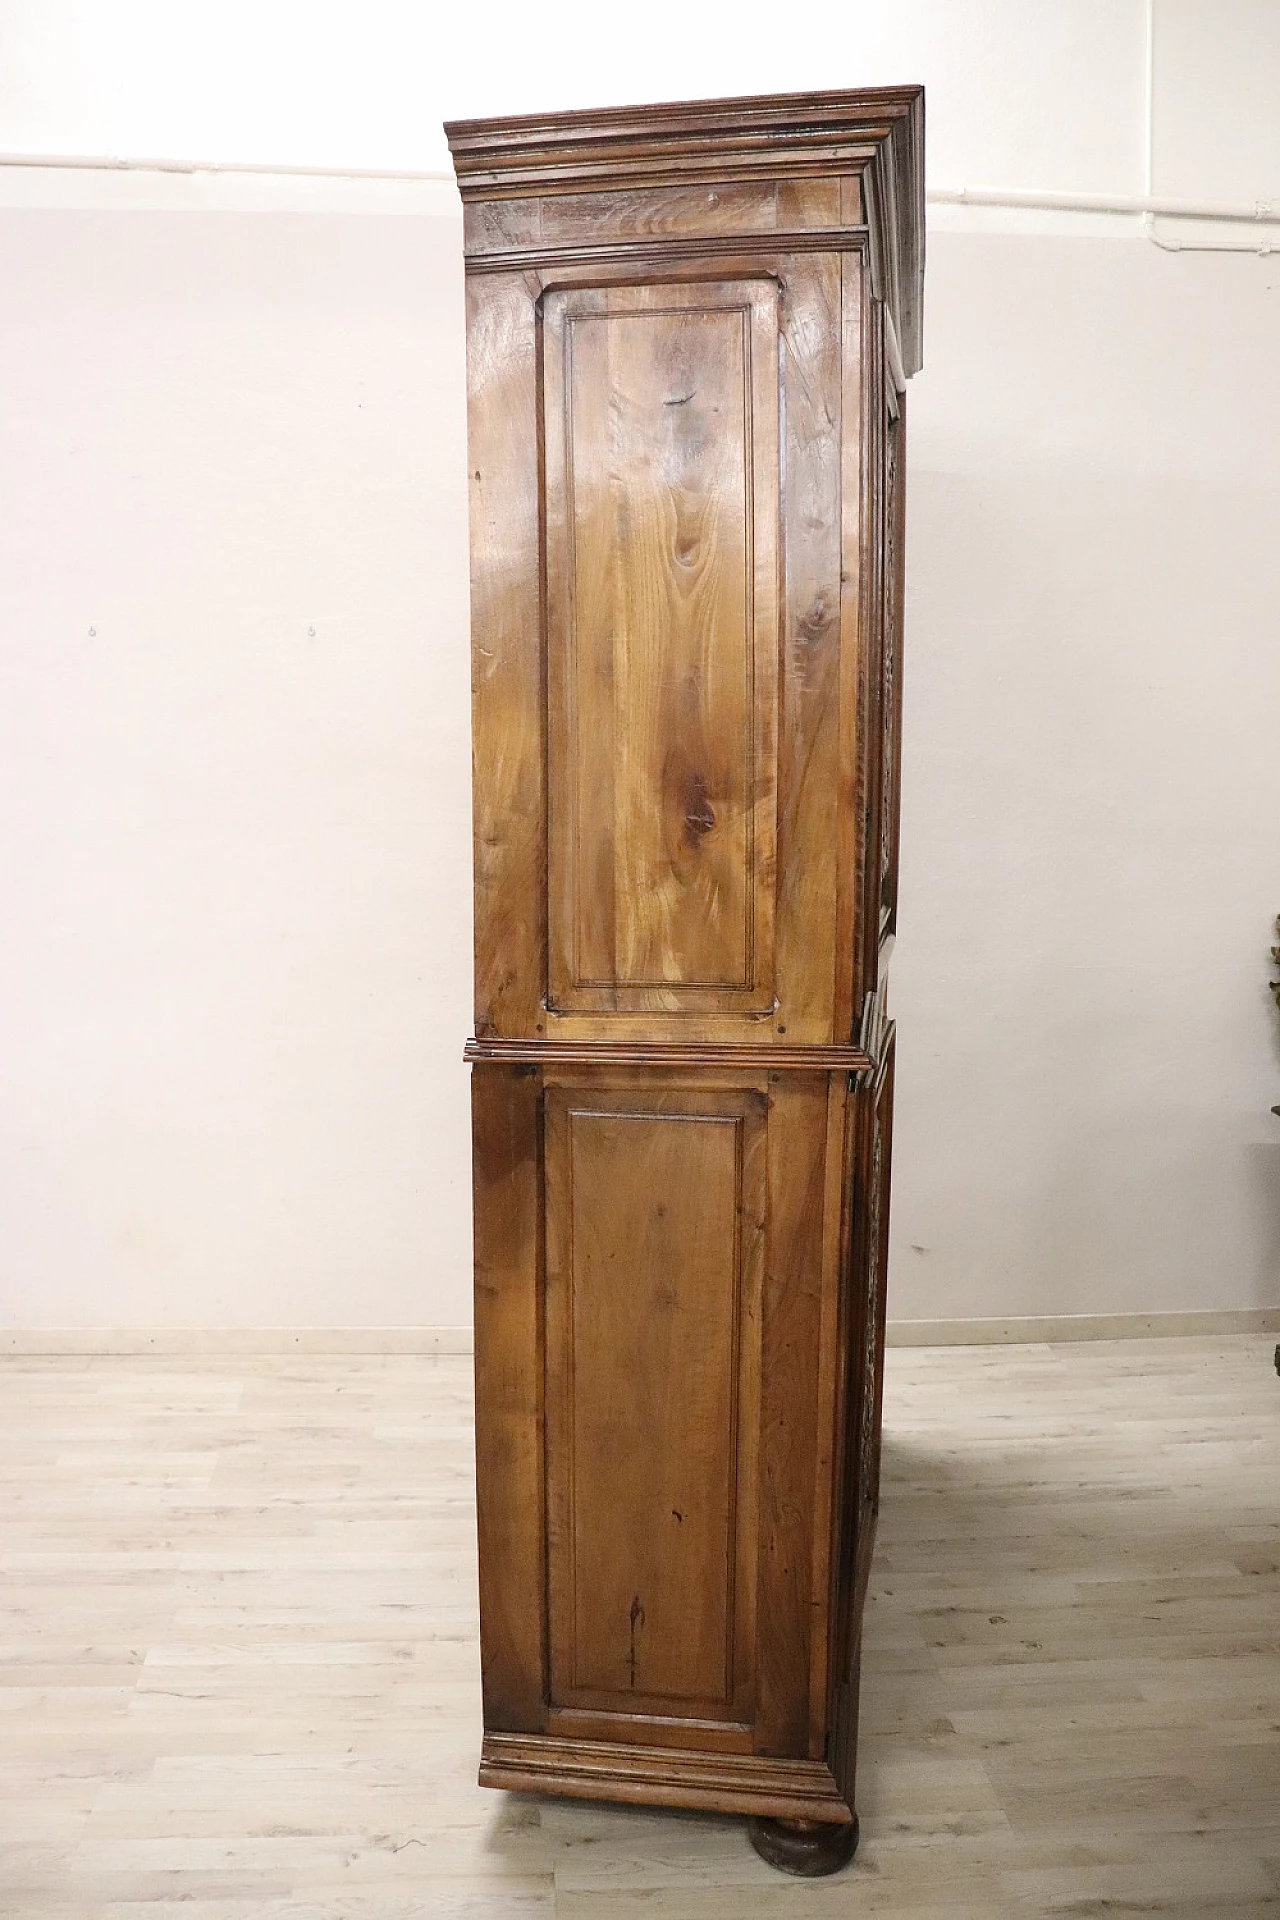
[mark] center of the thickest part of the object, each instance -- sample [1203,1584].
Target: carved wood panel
[661,510]
[654,1236]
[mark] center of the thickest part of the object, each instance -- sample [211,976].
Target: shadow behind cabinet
[688,334]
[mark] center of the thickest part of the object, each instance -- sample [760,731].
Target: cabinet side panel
[652,1237]
[809,837]
[661,507]
[506,663]
[509,1472]
[790,1371]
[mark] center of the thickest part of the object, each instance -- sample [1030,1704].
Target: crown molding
[877,134]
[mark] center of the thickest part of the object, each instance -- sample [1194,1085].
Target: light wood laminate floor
[238,1646]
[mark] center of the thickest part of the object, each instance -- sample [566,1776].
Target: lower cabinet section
[679,1343]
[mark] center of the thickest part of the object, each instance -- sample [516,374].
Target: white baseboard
[234,1340]
[1031,1329]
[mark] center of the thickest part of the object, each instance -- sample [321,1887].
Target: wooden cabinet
[688,331]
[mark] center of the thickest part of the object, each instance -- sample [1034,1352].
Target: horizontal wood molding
[655,250]
[556,150]
[708,1056]
[662,1776]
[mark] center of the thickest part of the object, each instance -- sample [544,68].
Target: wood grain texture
[732,1783]
[810,655]
[812,203]
[789,1415]
[823,1603]
[661,506]
[859,1404]
[685,559]
[813,838]
[655,1231]
[876,137]
[858,571]
[716,207]
[507,1132]
[720,206]
[509,832]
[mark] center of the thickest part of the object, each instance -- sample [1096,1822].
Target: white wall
[1091,839]
[234,872]
[235,866]
[1017,91]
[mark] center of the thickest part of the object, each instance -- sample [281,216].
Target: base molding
[663,1777]
[1034,1329]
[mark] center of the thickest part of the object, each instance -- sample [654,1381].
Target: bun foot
[808,1847]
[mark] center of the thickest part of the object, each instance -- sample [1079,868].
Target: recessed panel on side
[655,1215]
[661,515]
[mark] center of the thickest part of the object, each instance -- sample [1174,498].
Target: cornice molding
[877,134]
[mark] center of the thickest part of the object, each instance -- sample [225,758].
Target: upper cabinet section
[749,166]
[684,329]
[660,425]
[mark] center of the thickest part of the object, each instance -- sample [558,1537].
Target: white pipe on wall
[1031,199]
[1149,162]
[1262,212]
[1034,199]
[1149,115]
[109,163]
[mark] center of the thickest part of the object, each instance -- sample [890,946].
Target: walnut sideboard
[689,330]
